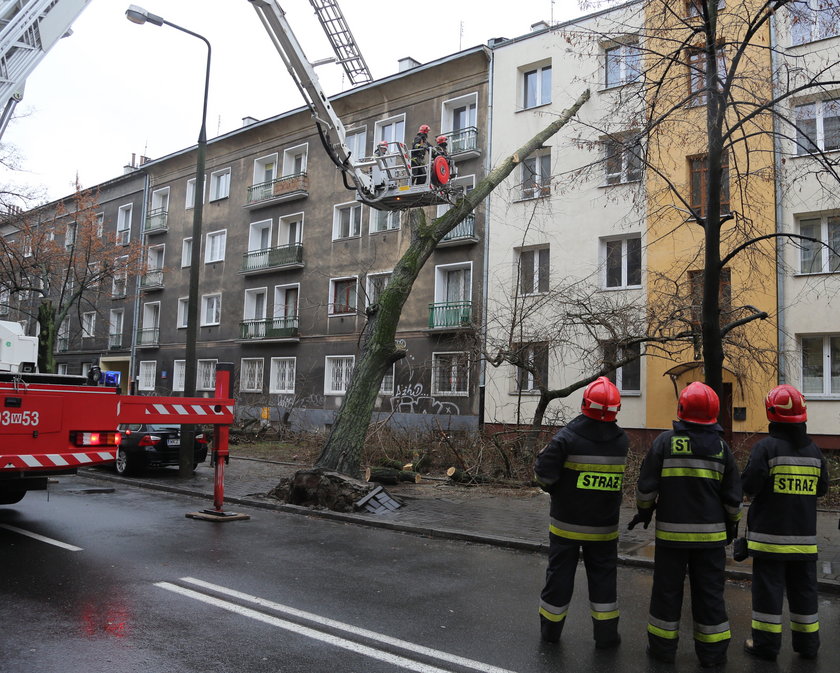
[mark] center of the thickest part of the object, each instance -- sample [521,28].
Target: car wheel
[123,465]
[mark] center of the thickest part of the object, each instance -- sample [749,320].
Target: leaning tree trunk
[46,336]
[343,448]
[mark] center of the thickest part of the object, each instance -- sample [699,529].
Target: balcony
[283,327]
[463,143]
[148,337]
[463,234]
[270,259]
[450,315]
[115,341]
[287,188]
[152,280]
[156,221]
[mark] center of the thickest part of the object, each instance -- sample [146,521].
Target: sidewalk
[515,520]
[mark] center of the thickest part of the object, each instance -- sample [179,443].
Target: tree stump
[386,475]
[321,489]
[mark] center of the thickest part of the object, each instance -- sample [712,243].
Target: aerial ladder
[28,30]
[384,179]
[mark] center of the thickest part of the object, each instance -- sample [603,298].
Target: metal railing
[156,220]
[148,336]
[450,314]
[463,140]
[115,340]
[288,184]
[283,327]
[269,258]
[152,278]
[465,229]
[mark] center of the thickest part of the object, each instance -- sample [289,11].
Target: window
[459,115]
[286,302]
[694,7]
[628,379]
[531,366]
[265,169]
[294,160]
[88,324]
[211,309]
[290,229]
[533,271]
[695,278]
[186,252]
[282,376]
[343,296]
[215,249]
[115,329]
[160,203]
[70,235]
[356,141]
[384,220]
[220,184]
[99,225]
[124,224]
[376,282]
[251,375]
[5,298]
[450,374]
[622,260]
[183,312]
[154,259]
[206,375]
[347,220]
[622,161]
[179,371]
[698,176]
[259,239]
[536,86]
[622,64]
[812,20]
[337,374]
[62,368]
[119,281]
[697,73]
[453,284]
[255,304]
[821,365]
[146,375]
[390,130]
[821,257]
[190,200]
[536,176]
[818,126]
[387,385]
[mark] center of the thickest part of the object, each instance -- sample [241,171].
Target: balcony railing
[115,341]
[463,233]
[464,141]
[285,327]
[152,279]
[148,336]
[273,258]
[287,188]
[450,314]
[156,221]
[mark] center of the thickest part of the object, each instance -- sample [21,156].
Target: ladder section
[343,43]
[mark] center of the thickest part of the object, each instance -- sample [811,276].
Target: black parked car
[154,445]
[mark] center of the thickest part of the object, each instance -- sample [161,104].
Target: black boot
[750,648]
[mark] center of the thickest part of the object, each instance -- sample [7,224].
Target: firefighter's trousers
[599,559]
[770,579]
[706,572]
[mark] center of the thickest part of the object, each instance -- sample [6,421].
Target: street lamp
[139,15]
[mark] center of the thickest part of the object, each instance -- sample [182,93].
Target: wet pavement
[516,519]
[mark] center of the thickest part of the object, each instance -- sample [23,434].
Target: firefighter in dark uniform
[419,155]
[690,477]
[582,467]
[785,474]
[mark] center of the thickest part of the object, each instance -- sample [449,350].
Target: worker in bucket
[420,155]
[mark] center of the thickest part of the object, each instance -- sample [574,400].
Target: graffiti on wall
[412,399]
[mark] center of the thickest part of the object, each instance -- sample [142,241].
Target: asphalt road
[138,587]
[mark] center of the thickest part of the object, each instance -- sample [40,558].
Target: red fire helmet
[424,128]
[601,400]
[698,404]
[785,404]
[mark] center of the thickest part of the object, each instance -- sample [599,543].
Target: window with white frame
[155,257]
[453,284]
[265,169]
[220,184]
[5,299]
[818,126]
[387,385]
[536,85]
[124,224]
[534,270]
[255,304]
[384,220]
[115,328]
[812,20]
[628,379]
[88,324]
[282,376]
[347,220]
[622,160]
[622,64]
[821,365]
[214,251]
[337,372]
[183,312]
[259,238]
[450,374]
[286,305]
[179,375]
[146,375]
[822,256]
[536,175]
[251,375]
[160,201]
[343,295]
[290,229]
[99,225]
[459,117]
[356,141]
[211,309]
[70,235]
[376,283]
[390,130]
[119,281]
[294,160]
[206,375]
[531,366]
[186,252]
[621,257]
[62,368]
[190,200]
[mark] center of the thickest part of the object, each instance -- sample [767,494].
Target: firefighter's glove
[642,516]
[731,531]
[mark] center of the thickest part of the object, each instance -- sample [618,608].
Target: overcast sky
[114,88]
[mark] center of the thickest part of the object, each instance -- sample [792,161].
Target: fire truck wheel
[10,497]
[123,465]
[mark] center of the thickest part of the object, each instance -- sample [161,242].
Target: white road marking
[349,628]
[41,538]
[392,659]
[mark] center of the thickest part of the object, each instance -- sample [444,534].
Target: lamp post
[139,15]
